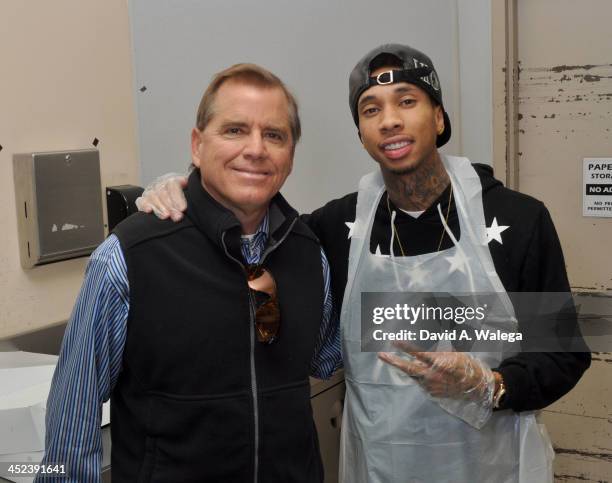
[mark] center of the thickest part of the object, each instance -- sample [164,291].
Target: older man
[202,333]
[427,223]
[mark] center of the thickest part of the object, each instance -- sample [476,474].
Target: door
[564,114]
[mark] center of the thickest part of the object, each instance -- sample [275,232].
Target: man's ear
[290,167]
[196,146]
[439,119]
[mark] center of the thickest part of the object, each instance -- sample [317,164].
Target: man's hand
[455,375]
[165,197]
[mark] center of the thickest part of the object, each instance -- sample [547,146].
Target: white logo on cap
[431,78]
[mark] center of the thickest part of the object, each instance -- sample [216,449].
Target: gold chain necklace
[395,234]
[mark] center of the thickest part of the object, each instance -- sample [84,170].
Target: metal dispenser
[59,205]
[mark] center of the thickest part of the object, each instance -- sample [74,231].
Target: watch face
[499,396]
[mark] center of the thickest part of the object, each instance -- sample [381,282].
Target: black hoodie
[529,259]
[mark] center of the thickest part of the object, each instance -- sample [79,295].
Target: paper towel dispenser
[59,205]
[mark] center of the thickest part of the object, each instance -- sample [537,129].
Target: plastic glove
[458,382]
[165,197]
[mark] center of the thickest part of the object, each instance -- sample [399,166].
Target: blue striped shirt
[90,359]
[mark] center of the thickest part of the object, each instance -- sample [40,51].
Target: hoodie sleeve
[535,380]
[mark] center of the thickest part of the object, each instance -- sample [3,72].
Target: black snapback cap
[417,69]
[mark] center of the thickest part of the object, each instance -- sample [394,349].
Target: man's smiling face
[245,152]
[399,124]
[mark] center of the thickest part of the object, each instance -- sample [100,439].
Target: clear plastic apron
[391,430]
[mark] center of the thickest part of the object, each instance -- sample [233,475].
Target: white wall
[475,79]
[312,46]
[66,79]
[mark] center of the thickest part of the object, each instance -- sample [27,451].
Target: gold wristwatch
[500,391]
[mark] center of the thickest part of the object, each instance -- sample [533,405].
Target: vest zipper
[252,362]
[271,248]
[252,334]
[254,384]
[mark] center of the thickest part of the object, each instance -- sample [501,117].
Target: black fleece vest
[198,398]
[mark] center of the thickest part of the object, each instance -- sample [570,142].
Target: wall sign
[597,187]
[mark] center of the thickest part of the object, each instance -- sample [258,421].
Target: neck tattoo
[417,189]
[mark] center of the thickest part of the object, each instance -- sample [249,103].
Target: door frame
[505,77]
